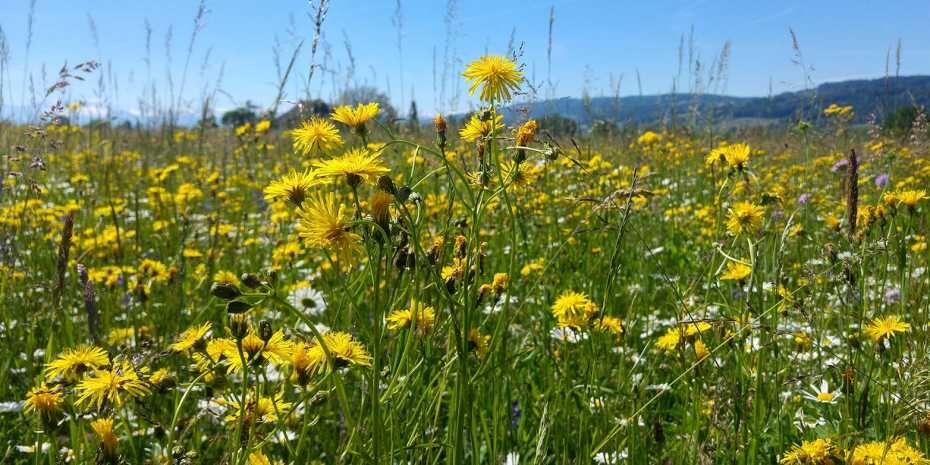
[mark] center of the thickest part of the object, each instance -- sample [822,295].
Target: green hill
[876,96]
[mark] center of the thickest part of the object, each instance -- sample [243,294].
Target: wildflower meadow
[471,288]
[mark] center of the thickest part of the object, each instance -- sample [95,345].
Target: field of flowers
[475,292]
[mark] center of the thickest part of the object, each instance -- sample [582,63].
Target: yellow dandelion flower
[479,342]
[74,362]
[886,327]
[816,452]
[191,337]
[736,271]
[323,224]
[356,117]
[744,218]
[103,429]
[316,134]
[356,165]
[648,138]
[116,385]
[264,410]
[609,324]
[669,341]
[496,75]
[910,198]
[226,277]
[573,309]
[526,133]
[477,128]
[402,319]
[44,401]
[346,349]
[294,187]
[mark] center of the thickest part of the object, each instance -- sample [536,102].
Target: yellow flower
[609,324]
[526,133]
[103,428]
[839,111]
[669,341]
[497,75]
[345,350]
[573,309]
[119,336]
[648,138]
[693,329]
[294,187]
[816,452]
[191,337]
[911,197]
[744,217]
[323,224]
[476,128]
[520,175]
[44,401]
[356,117]
[226,277]
[263,126]
[276,350]
[265,410]
[737,155]
[886,327]
[73,363]
[401,319]
[479,342]
[356,165]
[119,383]
[736,271]
[317,133]
[700,349]
[886,453]
[306,360]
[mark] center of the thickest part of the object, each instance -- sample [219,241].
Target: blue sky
[594,43]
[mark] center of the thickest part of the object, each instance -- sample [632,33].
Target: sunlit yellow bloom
[648,138]
[573,309]
[497,75]
[317,133]
[115,385]
[74,362]
[736,271]
[294,187]
[265,410]
[479,342]
[344,349]
[103,428]
[191,337]
[609,324]
[886,327]
[744,218]
[476,128]
[816,452]
[401,319]
[910,197]
[356,165]
[526,133]
[44,401]
[226,277]
[839,111]
[356,117]
[306,360]
[323,223]
[277,350]
[669,341]
[898,452]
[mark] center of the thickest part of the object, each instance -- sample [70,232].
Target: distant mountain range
[876,96]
